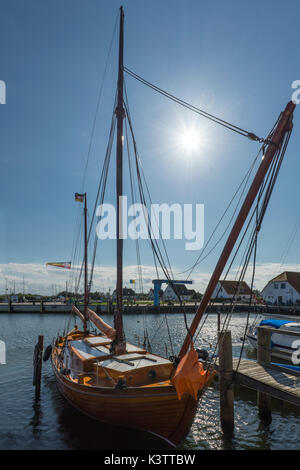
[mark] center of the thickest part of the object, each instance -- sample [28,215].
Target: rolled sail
[99,323]
[106,329]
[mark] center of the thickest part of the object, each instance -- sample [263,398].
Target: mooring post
[219,319]
[226,381]
[37,365]
[42,309]
[264,358]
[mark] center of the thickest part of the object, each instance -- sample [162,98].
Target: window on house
[275,286]
[282,285]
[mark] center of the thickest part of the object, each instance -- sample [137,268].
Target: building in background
[228,289]
[170,293]
[283,289]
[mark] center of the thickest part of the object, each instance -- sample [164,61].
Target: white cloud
[39,279]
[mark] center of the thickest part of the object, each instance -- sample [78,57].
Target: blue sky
[234,59]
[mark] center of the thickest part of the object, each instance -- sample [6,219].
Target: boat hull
[278,351]
[156,410]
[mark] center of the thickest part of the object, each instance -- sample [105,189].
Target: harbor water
[51,423]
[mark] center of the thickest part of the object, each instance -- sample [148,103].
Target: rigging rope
[98,105]
[259,210]
[154,244]
[201,256]
[101,193]
[211,117]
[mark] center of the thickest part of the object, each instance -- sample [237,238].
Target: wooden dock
[268,379]
[280,383]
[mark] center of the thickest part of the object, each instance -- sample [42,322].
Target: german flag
[79,197]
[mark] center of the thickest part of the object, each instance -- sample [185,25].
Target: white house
[227,289]
[151,294]
[283,289]
[180,289]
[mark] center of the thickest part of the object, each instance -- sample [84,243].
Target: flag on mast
[79,197]
[65,265]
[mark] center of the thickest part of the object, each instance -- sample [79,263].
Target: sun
[190,140]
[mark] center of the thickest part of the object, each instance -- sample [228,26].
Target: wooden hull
[156,410]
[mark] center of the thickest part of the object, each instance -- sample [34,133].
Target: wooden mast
[119,187]
[284,122]
[86,293]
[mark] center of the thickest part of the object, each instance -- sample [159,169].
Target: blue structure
[157,285]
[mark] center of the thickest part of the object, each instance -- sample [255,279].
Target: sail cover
[106,329]
[190,376]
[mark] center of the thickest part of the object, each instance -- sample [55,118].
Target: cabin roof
[129,362]
[293,278]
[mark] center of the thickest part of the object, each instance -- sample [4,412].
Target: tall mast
[284,123]
[119,186]
[86,294]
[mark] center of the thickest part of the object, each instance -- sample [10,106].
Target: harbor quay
[108,308]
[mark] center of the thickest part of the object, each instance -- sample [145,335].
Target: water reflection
[36,418]
[78,431]
[51,423]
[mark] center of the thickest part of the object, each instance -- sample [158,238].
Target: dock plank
[274,382]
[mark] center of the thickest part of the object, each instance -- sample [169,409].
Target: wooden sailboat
[113,381]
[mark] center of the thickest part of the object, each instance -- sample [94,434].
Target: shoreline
[62,308]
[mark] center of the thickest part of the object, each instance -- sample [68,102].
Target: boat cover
[287,366]
[273,322]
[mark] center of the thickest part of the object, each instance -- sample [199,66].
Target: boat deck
[91,363]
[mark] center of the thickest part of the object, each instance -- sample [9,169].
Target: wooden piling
[264,401]
[42,308]
[226,382]
[219,319]
[37,373]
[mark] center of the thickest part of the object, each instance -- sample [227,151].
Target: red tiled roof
[293,278]
[232,287]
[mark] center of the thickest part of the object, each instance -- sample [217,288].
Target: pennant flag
[66,265]
[79,197]
[132,281]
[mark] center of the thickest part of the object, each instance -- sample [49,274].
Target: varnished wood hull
[153,409]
